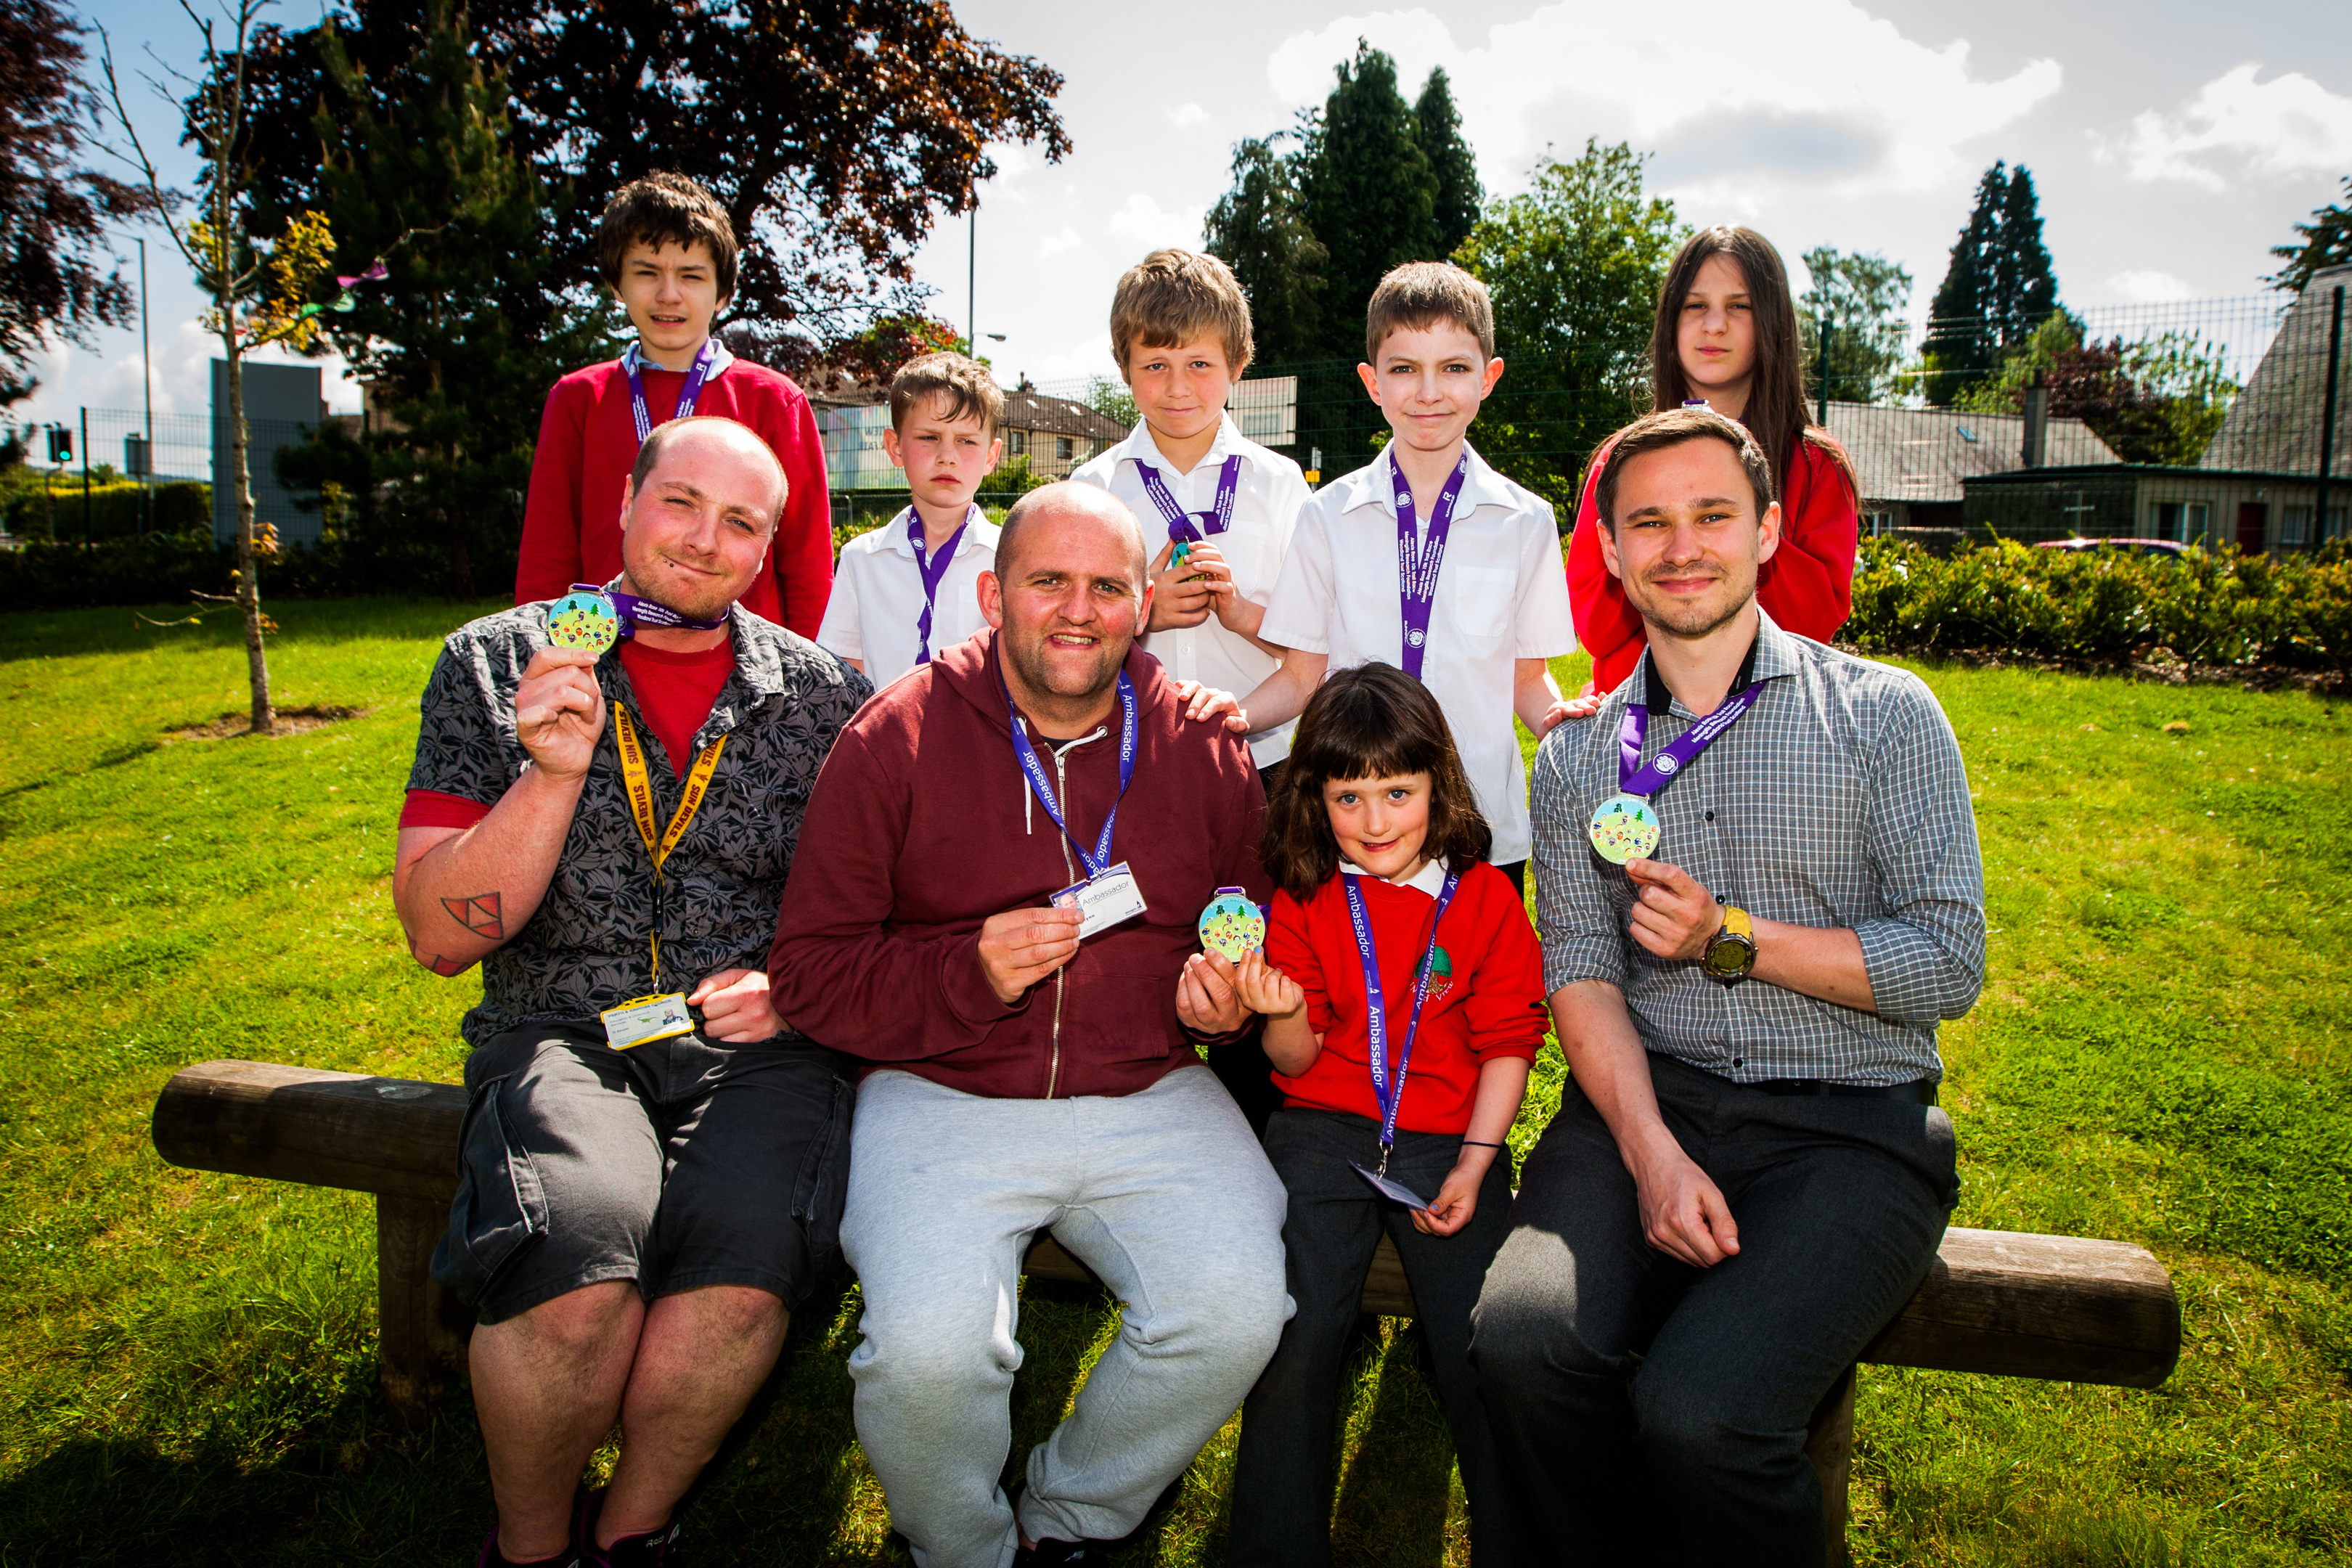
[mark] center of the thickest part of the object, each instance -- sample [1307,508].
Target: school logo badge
[1441,972]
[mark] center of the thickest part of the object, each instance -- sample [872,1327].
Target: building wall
[282,407]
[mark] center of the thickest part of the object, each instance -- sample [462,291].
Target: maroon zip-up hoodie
[921,825]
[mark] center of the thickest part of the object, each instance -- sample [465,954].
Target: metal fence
[110,446]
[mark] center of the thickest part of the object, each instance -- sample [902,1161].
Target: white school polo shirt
[1267,499]
[1502,596]
[878,597]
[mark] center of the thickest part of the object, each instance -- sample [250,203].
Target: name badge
[647,1019]
[1395,1192]
[1102,900]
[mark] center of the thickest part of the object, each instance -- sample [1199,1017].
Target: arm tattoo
[444,967]
[478,914]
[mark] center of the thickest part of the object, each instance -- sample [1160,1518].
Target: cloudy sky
[2173,144]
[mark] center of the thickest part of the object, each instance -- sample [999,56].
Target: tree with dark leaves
[1438,127]
[834,132]
[54,281]
[2326,242]
[1998,288]
[1259,229]
[1370,196]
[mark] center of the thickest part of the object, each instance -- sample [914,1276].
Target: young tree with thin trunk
[256,296]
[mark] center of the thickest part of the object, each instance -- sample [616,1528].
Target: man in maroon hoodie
[1021,1077]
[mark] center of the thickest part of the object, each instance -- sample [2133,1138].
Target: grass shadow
[1397,1480]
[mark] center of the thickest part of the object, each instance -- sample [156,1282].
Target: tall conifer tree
[1370,196]
[1438,127]
[1259,229]
[1999,287]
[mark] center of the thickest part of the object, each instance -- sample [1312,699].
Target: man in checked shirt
[1748,1175]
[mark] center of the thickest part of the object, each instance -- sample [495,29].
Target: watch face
[1727,957]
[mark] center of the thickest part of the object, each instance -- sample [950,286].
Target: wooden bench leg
[1829,1443]
[422,1328]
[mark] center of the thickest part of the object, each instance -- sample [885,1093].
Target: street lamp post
[147,382]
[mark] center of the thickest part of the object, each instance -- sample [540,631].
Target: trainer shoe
[654,1549]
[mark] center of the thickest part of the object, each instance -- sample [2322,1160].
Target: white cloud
[1146,222]
[2287,125]
[1185,116]
[1061,244]
[1826,95]
[2145,287]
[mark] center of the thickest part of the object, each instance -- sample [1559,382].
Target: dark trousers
[1283,1476]
[1653,1412]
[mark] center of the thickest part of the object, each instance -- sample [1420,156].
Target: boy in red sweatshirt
[668,254]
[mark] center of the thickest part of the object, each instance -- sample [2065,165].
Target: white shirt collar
[1481,487]
[897,539]
[1430,879]
[720,358]
[1139,448]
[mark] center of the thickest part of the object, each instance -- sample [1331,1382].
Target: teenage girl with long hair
[1727,332]
[1392,945]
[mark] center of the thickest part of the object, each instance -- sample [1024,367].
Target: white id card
[1395,1192]
[1103,900]
[647,1019]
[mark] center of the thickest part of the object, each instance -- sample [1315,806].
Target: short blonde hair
[1420,294]
[965,383]
[1172,297]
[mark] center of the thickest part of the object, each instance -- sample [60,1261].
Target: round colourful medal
[585,619]
[1231,926]
[1625,828]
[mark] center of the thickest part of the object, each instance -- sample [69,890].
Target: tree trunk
[248,572]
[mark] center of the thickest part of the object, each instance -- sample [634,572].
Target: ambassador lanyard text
[934,571]
[1182,529]
[699,373]
[659,841]
[1635,779]
[1034,767]
[1388,1092]
[1418,560]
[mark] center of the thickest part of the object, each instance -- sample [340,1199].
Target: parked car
[2164,547]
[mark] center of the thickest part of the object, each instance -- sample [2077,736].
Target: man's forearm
[1813,960]
[1283,696]
[1597,1035]
[461,895]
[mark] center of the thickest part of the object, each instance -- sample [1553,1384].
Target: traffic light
[60,444]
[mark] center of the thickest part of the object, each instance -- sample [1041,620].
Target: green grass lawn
[187,1368]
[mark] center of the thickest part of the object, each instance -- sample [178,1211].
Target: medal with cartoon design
[584,618]
[1231,927]
[1624,828]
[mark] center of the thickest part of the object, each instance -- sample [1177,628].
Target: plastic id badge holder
[1103,899]
[647,1019]
[1394,1191]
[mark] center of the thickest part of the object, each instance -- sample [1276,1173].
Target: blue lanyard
[694,376]
[1389,1094]
[1034,767]
[1179,523]
[934,572]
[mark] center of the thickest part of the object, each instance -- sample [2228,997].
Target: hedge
[115,509]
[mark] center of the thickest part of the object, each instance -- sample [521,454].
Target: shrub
[29,512]
[2220,607]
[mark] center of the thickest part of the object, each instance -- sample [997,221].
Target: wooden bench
[2056,1307]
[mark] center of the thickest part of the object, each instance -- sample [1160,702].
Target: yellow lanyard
[641,806]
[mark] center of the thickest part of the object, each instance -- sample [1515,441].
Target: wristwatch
[1730,953]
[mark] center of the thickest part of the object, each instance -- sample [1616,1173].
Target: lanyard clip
[1385,1157]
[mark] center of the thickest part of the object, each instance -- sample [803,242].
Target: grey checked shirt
[586,948]
[1839,800]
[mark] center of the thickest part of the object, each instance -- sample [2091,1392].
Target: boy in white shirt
[1180,326]
[911,587]
[1483,603]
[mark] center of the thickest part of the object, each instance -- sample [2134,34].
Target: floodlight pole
[2327,418]
[971,277]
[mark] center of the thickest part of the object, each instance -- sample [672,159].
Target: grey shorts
[679,1163]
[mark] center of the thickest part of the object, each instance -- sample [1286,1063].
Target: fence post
[85,478]
[1821,369]
[2327,419]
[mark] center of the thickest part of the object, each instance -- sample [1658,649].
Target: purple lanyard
[934,571]
[694,376]
[1034,767]
[1418,560]
[1676,754]
[1181,526]
[1391,1095]
[636,612]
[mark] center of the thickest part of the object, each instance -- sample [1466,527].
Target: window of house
[2182,521]
[1016,442]
[1065,448]
[1879,522]
[2292,522]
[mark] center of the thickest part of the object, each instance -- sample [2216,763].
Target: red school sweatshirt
[1806,587]
[1486,998]
[921,825]
[588,444]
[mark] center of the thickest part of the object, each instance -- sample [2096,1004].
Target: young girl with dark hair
[1403,992]
[1726,334]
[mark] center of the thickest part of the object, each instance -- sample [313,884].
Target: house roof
[1053,416]
[1929,454]
[2274,421]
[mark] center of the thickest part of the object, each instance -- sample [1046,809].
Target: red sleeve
[1290,947]
[1504,1008]
[1607,627]
[432,808]
[549,561]
[839,969]
[803,552]
[1808,587]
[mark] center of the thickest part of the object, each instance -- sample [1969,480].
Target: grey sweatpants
[1163,1194]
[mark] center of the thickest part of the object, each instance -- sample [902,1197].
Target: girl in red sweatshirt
[1402,992]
